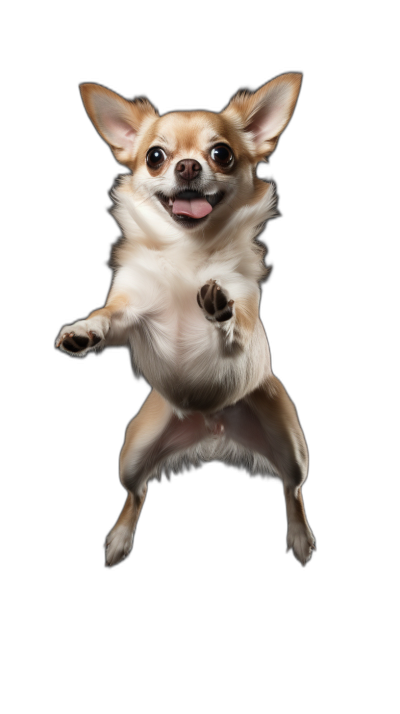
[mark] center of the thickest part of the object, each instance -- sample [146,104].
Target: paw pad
[212,299]
[69,342]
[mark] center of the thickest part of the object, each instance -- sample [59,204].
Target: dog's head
[194,167]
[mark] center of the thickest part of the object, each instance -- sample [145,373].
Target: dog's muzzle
[189,204]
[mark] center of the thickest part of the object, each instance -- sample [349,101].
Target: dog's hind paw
[214,303]
[301,540]
[118,545]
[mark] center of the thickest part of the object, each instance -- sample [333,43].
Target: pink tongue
[195,208]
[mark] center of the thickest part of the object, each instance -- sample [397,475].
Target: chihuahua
[185,295]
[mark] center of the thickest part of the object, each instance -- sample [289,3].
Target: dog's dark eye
[155,157]
[222,155]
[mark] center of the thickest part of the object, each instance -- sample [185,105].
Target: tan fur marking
[189,127]
[151,420]
[114,305]
[233,138]
[260,189]
[294,505]
[130,513]
[246,313]
[150,138]
[273,405]
[246,316]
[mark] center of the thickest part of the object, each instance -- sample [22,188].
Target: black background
[212,539]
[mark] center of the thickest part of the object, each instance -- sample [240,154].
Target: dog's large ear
[116,119]
[265,113]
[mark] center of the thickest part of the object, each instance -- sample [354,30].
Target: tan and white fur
[185,295]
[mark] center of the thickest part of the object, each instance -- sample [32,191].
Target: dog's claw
[63,337]
[95,338]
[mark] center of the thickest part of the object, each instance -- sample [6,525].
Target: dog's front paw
[82,336]
[301,540]
[214,303]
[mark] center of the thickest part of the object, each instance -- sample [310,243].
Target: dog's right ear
[116,119]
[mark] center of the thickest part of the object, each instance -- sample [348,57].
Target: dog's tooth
[170,202]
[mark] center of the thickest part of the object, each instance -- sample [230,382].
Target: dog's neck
[144,226]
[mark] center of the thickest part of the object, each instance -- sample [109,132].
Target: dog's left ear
[265,113]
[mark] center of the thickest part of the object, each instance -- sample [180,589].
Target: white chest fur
[160,272]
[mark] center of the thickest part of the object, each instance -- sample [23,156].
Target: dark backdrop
[215,533]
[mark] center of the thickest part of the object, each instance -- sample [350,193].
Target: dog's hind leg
[155,435]
[120,539]
[266,422]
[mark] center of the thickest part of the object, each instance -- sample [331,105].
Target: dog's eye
[155,157]
[222,155]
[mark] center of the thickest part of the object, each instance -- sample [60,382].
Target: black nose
[188,169]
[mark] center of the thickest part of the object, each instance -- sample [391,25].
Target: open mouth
[190,207]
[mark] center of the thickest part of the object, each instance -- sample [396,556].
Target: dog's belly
[183,357]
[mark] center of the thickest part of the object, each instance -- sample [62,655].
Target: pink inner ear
[268,122]
[256,127]
[271,118]
[119,131]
